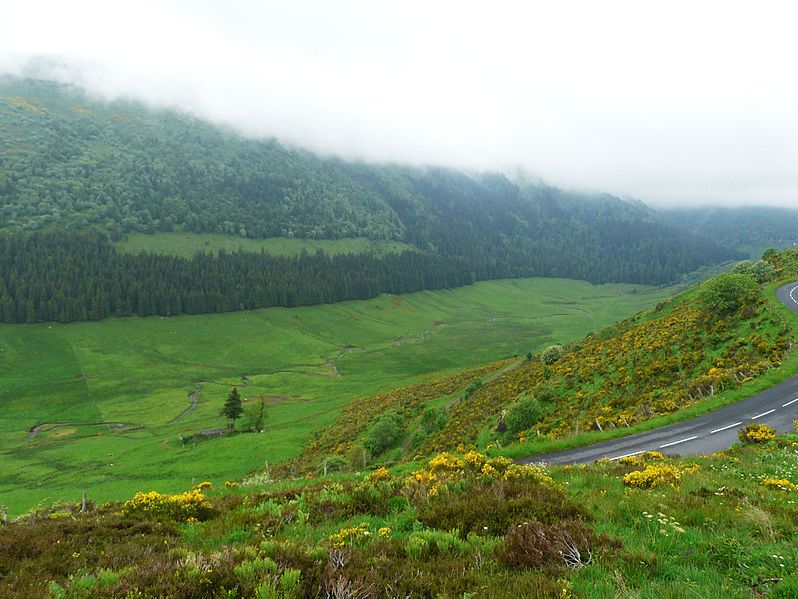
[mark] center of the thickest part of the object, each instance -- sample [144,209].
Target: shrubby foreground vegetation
[455,525]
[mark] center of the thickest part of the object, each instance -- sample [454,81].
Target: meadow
[112,395]
[186,245]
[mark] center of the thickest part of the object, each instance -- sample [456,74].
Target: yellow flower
[780,484]
[379,474]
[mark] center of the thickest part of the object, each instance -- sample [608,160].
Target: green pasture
[138,373]
[187,244]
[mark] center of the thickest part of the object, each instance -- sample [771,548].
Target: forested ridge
[73,163]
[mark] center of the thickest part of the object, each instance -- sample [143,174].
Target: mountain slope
[750,228]
[70,160]
[703,347]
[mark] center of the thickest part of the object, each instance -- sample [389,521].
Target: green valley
[140,373]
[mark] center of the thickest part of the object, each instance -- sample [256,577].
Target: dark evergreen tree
[232,407]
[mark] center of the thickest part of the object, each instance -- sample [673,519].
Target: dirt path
[418,339]
[51,426]
[331,362]
[192,397]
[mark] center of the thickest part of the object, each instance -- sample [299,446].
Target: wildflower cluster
[182,506]
[353,535]
[756,433]
[379,475]
[666,524]
[658,475]
[637,460]
[781,484]
[446,469]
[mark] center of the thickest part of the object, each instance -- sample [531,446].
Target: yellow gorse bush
[379,474]
[181,506]
[780,484]
[756,433]
[658,475]
[647,456]
[446,469]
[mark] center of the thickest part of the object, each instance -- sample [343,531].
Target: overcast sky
[670,102]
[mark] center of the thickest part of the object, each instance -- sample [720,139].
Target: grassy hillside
[682,357]
[307,362]
[454,526]
[188,244]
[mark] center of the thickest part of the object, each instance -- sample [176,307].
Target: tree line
[70,276]
[63,275]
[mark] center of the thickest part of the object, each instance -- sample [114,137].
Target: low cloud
[678,104]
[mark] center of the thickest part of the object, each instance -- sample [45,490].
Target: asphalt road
[777,407]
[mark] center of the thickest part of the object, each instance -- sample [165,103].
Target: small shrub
[416,547]
[535,545]
[636,460]
[726,293]
[380,474]
[180,507]
[290,583]
[761,272]
[351,535]
[254,571]
[756,433]
[489,508]
[332,464]
[472,388]
[383,433]
[524,414]
[551,354]
[659,475]
[432,420]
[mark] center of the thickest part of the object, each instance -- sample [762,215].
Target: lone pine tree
[232,407]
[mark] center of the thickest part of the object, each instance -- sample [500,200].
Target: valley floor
[102,406]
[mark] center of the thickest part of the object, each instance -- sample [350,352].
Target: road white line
[717,430]
[677,442]
[784,405]
[763,414]
[792,297]
[627,455]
